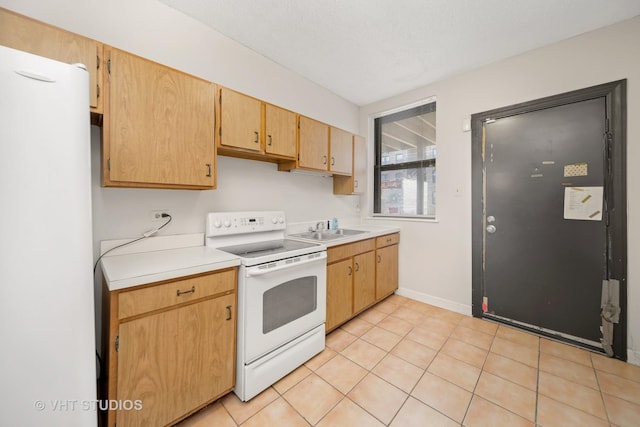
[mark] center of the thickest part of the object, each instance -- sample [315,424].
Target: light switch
[466,124]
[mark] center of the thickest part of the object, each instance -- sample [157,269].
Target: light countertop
[138,268]
[124,271]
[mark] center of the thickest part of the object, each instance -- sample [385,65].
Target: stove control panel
[227,223]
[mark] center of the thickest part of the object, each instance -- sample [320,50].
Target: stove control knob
[274,220]
[281,220]
[227,223]
[217,223]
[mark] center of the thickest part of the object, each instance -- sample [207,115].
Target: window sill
[401,218]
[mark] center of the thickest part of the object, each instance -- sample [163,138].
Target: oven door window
[288,301]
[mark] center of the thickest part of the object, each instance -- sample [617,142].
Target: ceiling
[367,50]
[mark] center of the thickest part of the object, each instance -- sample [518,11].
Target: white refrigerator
[47,335]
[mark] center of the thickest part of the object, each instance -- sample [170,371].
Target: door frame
[615,94]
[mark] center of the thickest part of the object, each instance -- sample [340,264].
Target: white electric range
[281,296]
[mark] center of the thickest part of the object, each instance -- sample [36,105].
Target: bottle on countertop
[334,224]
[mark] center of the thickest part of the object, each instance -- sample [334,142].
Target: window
[405,169]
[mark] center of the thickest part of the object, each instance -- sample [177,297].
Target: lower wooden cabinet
[171,348]
[364,291]
[339,293]
[386,265]
[359,275]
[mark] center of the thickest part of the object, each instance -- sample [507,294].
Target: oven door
[278,302]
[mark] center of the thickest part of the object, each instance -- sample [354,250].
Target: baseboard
[633,357]
[438,302]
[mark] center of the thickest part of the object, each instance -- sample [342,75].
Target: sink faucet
[319,226]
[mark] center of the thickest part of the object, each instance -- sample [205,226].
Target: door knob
[491,229]
[491,219]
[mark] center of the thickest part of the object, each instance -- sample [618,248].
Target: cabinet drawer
[144,300]
[389,239]
[337,253]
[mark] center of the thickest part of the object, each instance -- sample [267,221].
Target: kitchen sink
[323,235]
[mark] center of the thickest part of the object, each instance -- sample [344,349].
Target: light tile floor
[405,363]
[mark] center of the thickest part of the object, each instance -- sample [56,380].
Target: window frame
[428,104]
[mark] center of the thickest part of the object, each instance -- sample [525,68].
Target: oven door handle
[255,271]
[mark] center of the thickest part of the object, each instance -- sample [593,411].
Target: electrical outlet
[157,215]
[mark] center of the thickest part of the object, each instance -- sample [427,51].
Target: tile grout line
[595,373]
[473,393]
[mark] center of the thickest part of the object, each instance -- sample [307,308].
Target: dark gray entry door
[541,269]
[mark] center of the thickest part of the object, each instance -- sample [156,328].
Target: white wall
[435,257]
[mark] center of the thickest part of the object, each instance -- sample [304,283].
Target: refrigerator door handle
[35,76]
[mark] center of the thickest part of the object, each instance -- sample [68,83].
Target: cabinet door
[159,127]
[339,293]
[341,152]
[354,184]
[176,361]
[280,131]
[20,32]
[359,164]
[386,271]
[364,280]
[313,144]
[239,120]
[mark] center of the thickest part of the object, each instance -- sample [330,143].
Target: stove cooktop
[267,248]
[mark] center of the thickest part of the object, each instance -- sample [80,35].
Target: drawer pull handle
[324,160]
[190,291]
[350,270]
[208,169]
[228,313]
[270,141]
[357,267]
[388,240]
[379,259]
[257,136]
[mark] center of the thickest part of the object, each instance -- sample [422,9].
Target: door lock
[491,219]
[491,229]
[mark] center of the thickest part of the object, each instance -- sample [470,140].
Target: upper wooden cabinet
[29,35]
[250,128]
[280,131]
[340,152]
[313,144]
[354,184]
[322,148]
[239,124]
[158,128]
